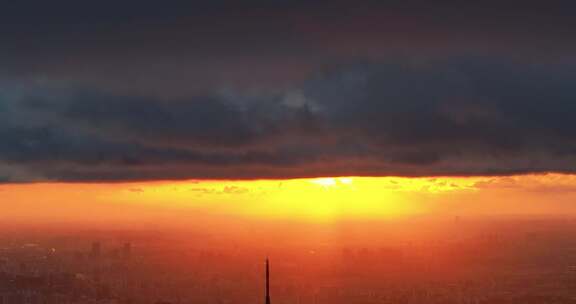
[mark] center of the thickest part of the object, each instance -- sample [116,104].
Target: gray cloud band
[466,116]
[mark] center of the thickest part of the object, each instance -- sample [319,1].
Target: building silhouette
[96,250]
[267,281]
[127,250]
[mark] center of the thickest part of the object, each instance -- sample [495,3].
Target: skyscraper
[126,250]
[267,281]
[96,250]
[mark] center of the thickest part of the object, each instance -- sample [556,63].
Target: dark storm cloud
[206,120]
[179,48]
[463,116]
[468,110]
[131,90]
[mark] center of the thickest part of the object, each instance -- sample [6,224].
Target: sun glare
[327,182]
[318,199]
[325,198]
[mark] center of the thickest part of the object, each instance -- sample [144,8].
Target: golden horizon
[316,199]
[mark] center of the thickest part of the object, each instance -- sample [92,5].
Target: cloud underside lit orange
[318,199]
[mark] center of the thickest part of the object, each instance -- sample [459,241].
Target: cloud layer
[406,117]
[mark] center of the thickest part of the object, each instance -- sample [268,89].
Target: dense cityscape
[502,262]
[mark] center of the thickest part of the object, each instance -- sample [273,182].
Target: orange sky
[320,200]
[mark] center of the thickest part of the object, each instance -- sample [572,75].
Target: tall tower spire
[267,281]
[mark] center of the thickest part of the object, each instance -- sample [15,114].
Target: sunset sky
[315,110]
